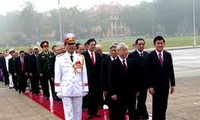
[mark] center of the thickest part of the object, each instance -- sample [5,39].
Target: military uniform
[71,83]
[44,61]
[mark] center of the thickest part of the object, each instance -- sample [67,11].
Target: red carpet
[57,108]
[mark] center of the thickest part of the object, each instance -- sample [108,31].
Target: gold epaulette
[60,55]
[81,55]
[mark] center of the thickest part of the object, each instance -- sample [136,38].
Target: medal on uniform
[77,67]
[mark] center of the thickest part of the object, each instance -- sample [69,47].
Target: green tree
[102,19]
[28,20]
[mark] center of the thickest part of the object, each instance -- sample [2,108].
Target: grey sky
[44,5]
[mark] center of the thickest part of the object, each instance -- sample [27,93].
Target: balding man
[123,84]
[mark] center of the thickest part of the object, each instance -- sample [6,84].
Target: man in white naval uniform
[71,82]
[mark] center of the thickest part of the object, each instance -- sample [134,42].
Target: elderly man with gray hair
[123,85]
[99,49]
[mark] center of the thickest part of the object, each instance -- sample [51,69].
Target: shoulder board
[60,55]
[41,52]
[81,55]
[50,52]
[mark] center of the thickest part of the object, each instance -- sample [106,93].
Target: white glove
[85,93]
[59,94]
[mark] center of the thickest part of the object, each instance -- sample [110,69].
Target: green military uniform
[44,67]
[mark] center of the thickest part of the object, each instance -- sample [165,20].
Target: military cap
[69,38]
[44,43]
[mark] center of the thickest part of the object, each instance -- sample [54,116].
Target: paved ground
[186,62]
[15,106]
[184,104]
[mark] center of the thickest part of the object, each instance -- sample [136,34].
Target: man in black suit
[3,66]
[57,51]
[33,71]
[104,76]
[27,69]
[12,67]
[21,68]
[93,65]
[124,74]
[161,77]
[139,55]
[99,49]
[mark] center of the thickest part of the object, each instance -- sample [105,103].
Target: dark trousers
[22,82]
[120,107]
[35,83]
[160,100]
[93,102]
[108,101]
[85,102]
[141,105]
[45,86]
[15,82]
[6,79]
[113,110]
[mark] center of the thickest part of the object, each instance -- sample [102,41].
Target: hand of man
[172,90]
[114,97]
[105,93]
[59,94]
[151,90]
[31,75]
[41,75]
[137,94]
[26,73]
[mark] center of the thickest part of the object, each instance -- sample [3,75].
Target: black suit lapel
[89,58]
[119,63]
[164,57]
[156,57]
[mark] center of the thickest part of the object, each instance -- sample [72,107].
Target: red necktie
[92,58]
[160,59]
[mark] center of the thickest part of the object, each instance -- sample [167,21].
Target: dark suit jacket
[104,73]
[3,66]
[93,71]
[123,83]
[27,62]
[160,76]
[12,67]
[103,56]
[18,63]
[33,68]
[141,61]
